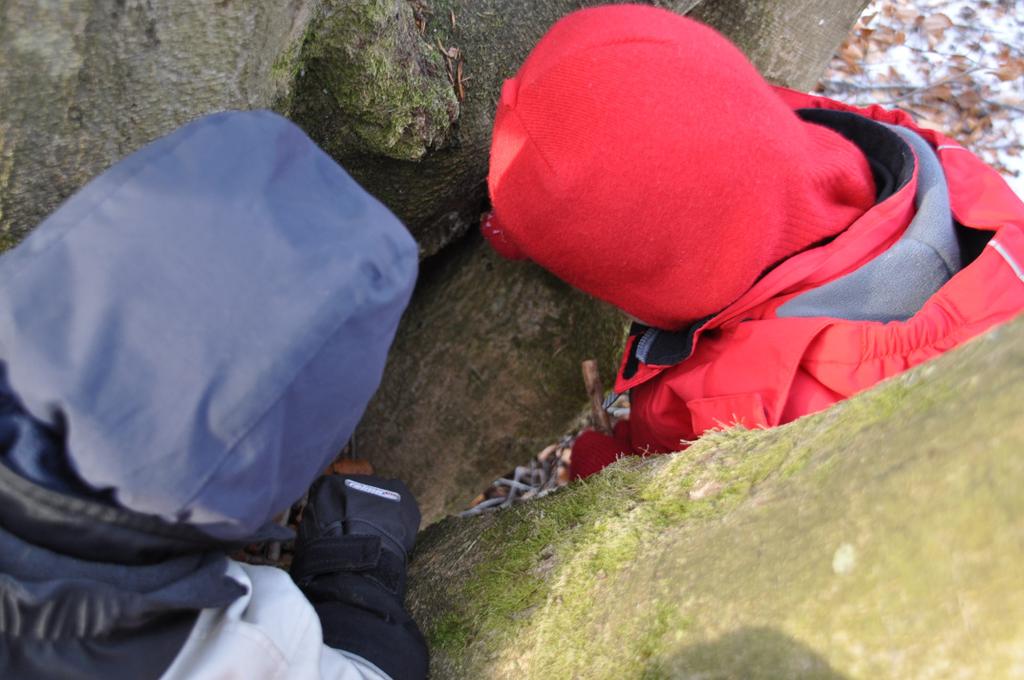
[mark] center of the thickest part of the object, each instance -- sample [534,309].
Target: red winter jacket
[748,366]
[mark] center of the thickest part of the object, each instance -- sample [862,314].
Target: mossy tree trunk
[85,82]
[484,373]
[879,539]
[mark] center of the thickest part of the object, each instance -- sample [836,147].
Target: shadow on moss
[883,532]
[755,653]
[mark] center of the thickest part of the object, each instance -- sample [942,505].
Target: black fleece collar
[892,165]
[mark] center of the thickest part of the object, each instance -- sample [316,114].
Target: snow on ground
[957,66]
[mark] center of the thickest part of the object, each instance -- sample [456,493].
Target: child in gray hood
[184,345]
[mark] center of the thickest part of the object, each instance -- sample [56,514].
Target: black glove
[350,561]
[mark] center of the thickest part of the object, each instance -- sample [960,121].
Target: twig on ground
[929,86]
[592,380]
[274,547]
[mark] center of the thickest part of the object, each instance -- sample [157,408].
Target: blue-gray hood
[202,325]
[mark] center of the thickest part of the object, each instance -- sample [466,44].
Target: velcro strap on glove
[333,554]
[355,553]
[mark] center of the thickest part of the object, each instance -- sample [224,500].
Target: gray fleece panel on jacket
[896,284]
[205,322]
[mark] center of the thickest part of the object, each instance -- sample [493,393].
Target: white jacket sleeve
[270,632]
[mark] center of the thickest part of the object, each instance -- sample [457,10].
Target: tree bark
[789,42]
[85,82]
[878,539]
[592,381]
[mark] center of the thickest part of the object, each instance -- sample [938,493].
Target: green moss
[571,544]
[7,242]
[287,66]
[285,73]
[661,625]
[370,84]
[877,539]
[449,634]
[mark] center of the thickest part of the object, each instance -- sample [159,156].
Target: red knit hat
[640,157]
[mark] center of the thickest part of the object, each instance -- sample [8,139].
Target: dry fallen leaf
[852,52]
[708,489]
[1011,70]
[906,14]
[936,23]
[350,466]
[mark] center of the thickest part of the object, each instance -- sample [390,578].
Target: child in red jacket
[778,251]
